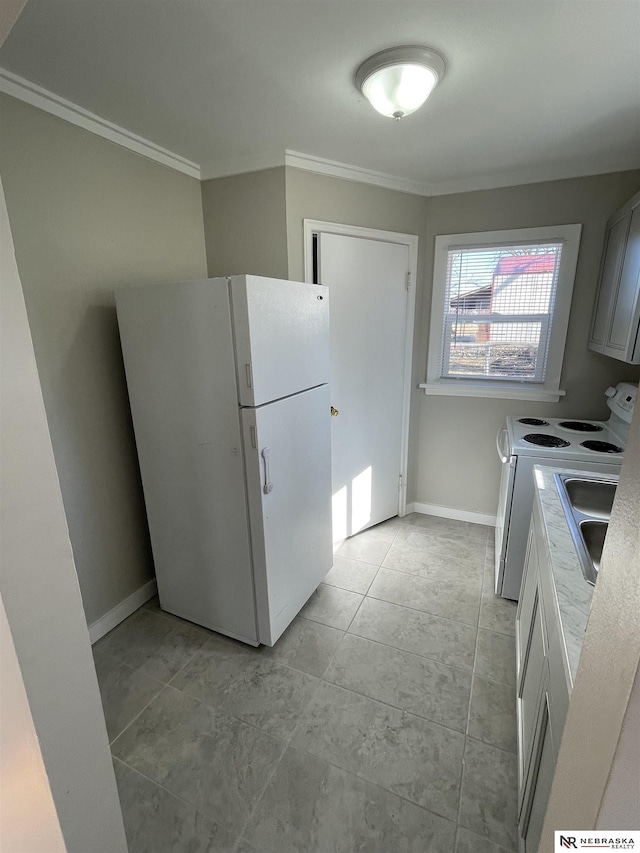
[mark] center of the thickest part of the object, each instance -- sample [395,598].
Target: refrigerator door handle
[268,485]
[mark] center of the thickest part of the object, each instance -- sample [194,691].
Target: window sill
[503,392]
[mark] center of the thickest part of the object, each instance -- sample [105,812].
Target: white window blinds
[498,307]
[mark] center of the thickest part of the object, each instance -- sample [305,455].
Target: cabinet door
[529,689]
[524,613]
[623,329]
[539,781]
[613,253]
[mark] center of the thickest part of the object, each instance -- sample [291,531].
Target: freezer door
[281,331]
[288,461]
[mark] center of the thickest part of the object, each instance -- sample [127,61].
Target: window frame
[543,391]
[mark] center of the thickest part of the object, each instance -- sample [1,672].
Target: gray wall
[621,798]
[25,785]
[464,429]
[458,428]
[44,610]
[313,196]
[88,216]
[244,223]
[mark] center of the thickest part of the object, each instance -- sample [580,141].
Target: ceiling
[534,89]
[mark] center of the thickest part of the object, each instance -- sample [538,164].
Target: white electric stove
[596,446]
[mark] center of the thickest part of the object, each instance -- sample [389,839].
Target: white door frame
[314,226]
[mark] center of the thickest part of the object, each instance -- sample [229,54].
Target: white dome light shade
[398,81]
[399,90]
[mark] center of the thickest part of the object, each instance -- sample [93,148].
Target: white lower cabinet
[542,766]
[542,689]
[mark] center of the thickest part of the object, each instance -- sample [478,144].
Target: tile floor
[382,721]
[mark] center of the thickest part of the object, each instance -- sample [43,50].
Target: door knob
[334,412]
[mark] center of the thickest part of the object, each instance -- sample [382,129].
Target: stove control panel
[621,400]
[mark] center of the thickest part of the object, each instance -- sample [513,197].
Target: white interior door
[369,304]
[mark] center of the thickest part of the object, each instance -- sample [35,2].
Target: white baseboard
[120,612]
[450,512]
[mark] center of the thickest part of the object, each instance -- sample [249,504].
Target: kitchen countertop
[573,594]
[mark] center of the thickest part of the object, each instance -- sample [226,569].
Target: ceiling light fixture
[397,81]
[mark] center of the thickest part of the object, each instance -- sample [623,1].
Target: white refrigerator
[227,381]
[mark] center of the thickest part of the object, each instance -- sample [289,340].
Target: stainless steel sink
[590,497]
[587,501]
[593,535]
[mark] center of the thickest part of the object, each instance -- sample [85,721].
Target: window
[500,312]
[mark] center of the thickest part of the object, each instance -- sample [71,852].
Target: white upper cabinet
[615,328]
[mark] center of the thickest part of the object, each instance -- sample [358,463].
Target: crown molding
[310,163]
[30,93]
[241,165]
[536,175]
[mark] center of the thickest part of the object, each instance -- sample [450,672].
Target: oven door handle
[503,458]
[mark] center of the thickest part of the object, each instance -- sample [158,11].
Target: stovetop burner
[580,426]
[533,422]
[601,446]
[543,440]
